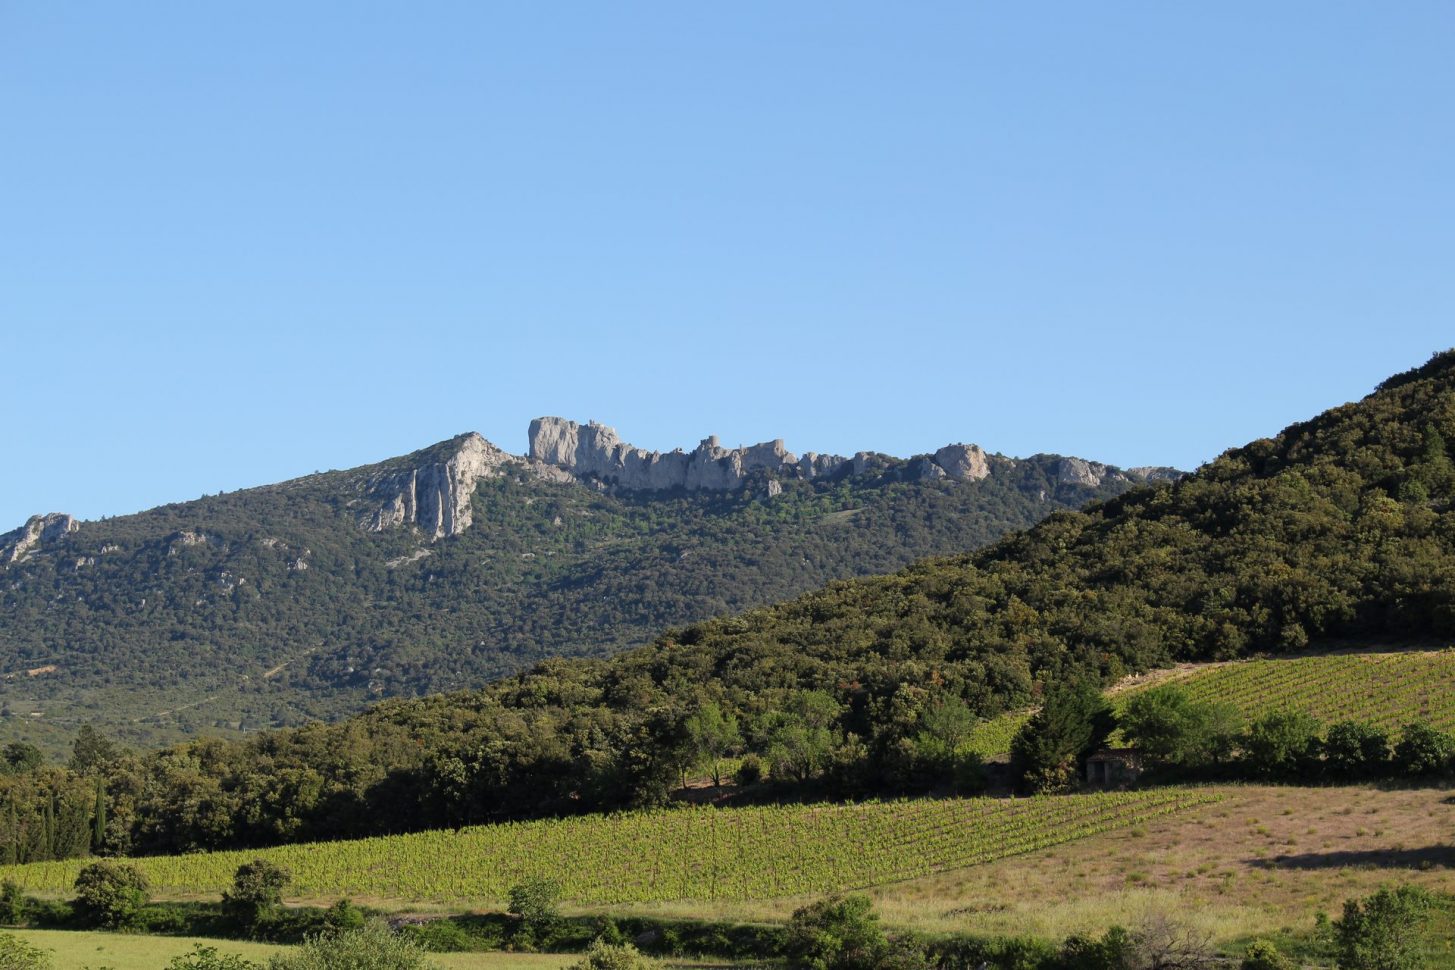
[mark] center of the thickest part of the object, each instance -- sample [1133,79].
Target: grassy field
[1386,689]
[119,951]
[703,854]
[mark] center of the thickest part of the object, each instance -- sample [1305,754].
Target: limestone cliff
[38,531]
[433,493]
[595,451]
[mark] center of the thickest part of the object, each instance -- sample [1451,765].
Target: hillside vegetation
[702,854]
[272,606]
[1340,527]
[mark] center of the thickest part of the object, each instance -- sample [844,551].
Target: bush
[750,770]
[160,920]
[1264,955]
[209,958]
[369,947]
[838,933]
[535,904]
[614,956]
[1384,931]
[256,893]
[1284,744]
[443,936]
[16,954]
[12,904]
[1356,750]
[1422,750]
[110,894]
[1112,951]
[343,917]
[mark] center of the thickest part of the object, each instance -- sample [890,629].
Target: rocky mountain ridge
[434,494]
[460,563]
[431,489]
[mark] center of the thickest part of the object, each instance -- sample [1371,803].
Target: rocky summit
[433,493]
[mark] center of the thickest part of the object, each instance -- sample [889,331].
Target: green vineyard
[1385,689]
[699,853]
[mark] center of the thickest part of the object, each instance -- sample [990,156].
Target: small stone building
[1113,767]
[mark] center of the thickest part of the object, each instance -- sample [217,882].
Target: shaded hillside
[1339,527]
[455,565]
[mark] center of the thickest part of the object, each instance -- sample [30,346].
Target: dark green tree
[1423,751]
[256,895]
[1284,744]
[1355,750]
[109,894]
[1074,721]
[92,751]
[98,817]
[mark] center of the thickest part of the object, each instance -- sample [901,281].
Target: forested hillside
[1340,528]
[276,605]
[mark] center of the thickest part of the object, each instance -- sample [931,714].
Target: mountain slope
[458,564]
[1341,528]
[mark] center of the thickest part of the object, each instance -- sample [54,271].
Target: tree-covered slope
[1340,528]
[308,599]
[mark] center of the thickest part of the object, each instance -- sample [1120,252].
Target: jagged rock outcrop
[38,531]
[1077,471]
[1156,473]
[434,494]
[431,489]
[594,450]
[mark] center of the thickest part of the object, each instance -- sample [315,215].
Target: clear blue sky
[243,241]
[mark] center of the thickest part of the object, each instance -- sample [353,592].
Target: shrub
[12,904]
[209,958]
[343,917]
[1384,931]
[256,893]
[1264,955]
[535,904]
[16,954]
[750,770]
[1422,750]
[442,936]
[1356,750]
[1113,951]
[614,956]
[1284,744]
[369,947]
[110,894]
[838,933]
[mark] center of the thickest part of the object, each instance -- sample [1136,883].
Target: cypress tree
[48,831]
[98,819]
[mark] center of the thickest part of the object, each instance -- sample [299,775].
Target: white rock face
[1076,471]
[38,531]
[595,451]
[964,463]
[435,495]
